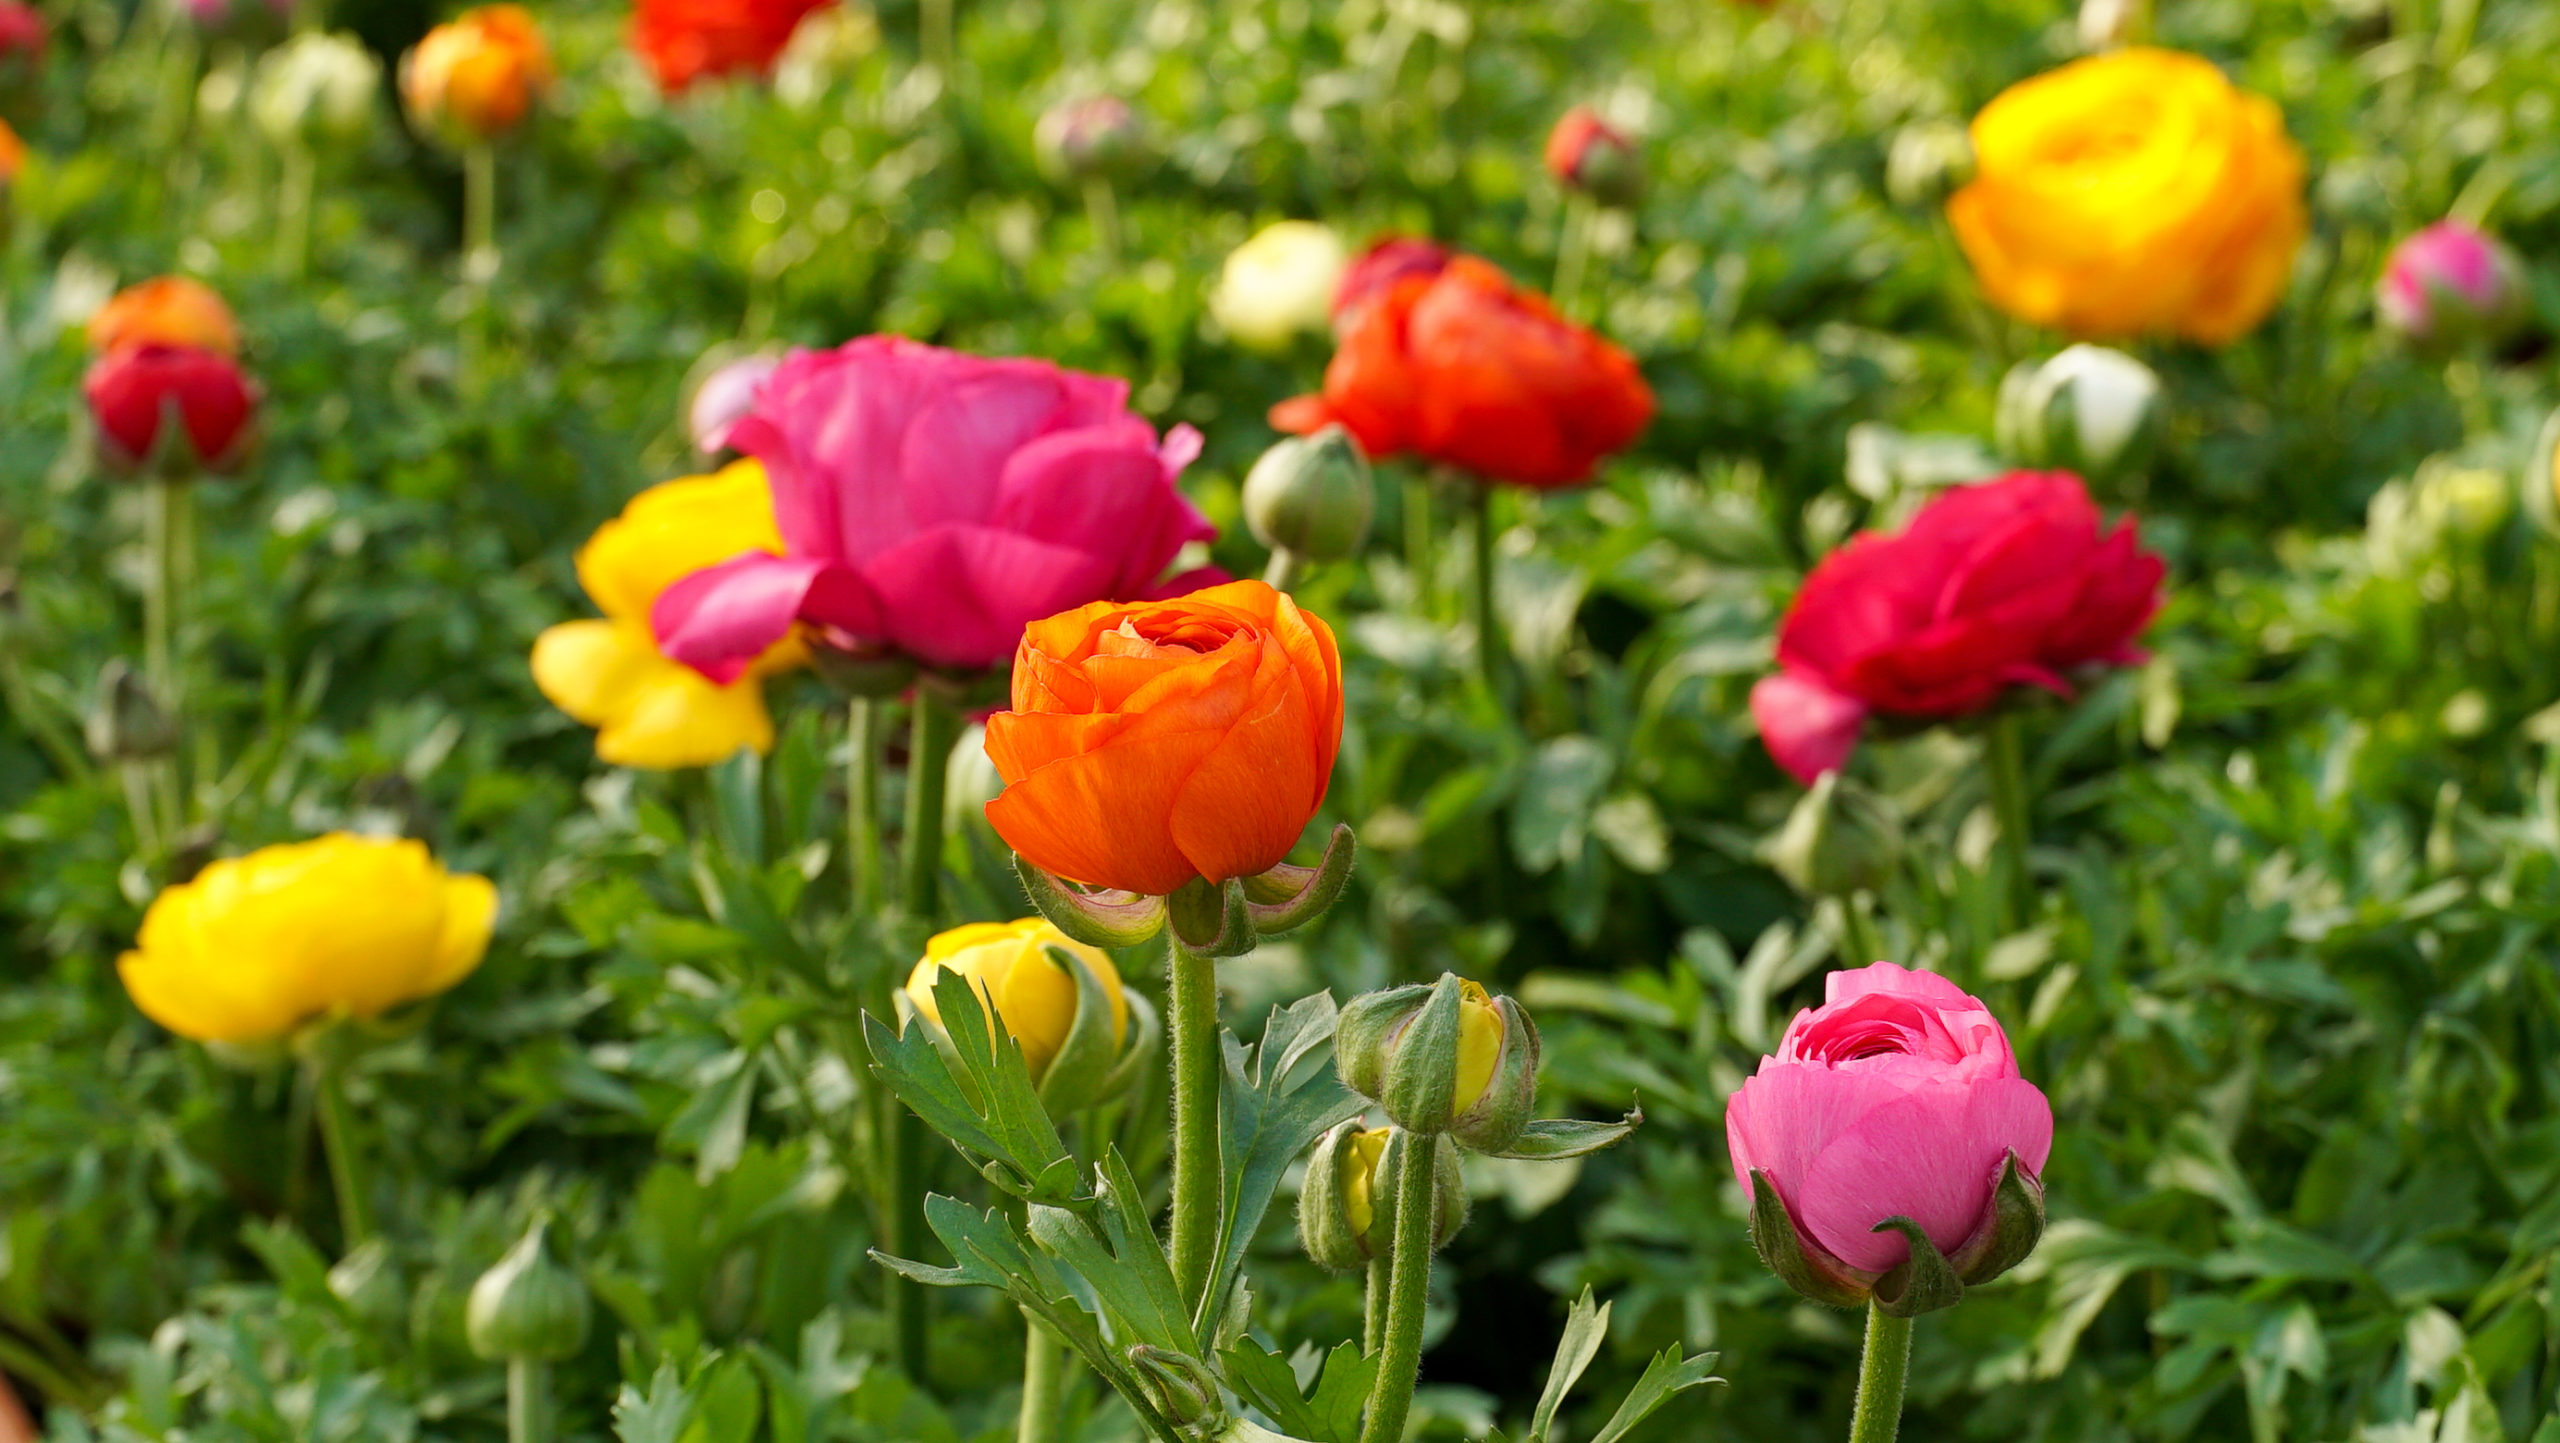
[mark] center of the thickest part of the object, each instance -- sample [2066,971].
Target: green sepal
[1181,1386]
[1782,1250]
[1097,919]
[1211,920]
[1365,1035]
[1924,1283]
[1497,1119]
[1287,898]
[1091,1065]
[2015,1227]
[1549,1139]
[1324,1227]
[1420,1094]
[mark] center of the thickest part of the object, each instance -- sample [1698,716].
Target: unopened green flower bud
[1840,839]
[126,722]
[1346,1210]
[368,1282]
[1311,496]
[1181,1386]
[529,1307]
[2089,410]
[1443,1058]
[1927,162]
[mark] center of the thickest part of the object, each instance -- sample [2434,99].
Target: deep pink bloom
[135,390]
[1897,1097]
[22,33]
[933,504]
[2015,582]
[1378,268]
[2449,283]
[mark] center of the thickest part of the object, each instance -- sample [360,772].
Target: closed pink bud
[179,407]
[1590,155]
[1898,1097]
[2449,285]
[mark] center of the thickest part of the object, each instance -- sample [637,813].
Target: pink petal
[1931,1155]
[1809,727]
[721,618]
[957,446]
[959,596]
[1895,980]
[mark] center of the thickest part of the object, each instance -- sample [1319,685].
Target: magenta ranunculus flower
[2450,284]
[934,503]
[1898,1097]
[2015,582]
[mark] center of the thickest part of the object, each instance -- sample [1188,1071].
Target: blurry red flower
[1383,264]
[134,391]
[2015,582]
[1459,367]
[689,40]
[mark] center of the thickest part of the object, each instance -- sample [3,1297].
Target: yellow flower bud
[1031,993]
[256,947]
[1479,1044]
[649,711]
[1359,1164]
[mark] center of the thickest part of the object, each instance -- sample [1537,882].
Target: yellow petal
[592,669]
[470,912]
[676,717]
[1479,1045]
[672,530]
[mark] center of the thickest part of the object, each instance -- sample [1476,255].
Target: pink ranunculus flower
[1897,1097]
[2449,284]
[932,504]
[2015,582]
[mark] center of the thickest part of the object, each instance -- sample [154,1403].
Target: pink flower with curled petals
[933,503]
[2451,283]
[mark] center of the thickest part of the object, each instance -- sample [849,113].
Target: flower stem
[293,210]
[1882,1372]
[1488,622]
[1281,569]
[1373,1306]
[938,36]
[337,1138]
[902,1137]
[2006,757]
[532,1416]
[480,212]
[1573,250]
[1408,1289]
[168,537]
[866,721]
[1862,934]
[1191,997]
[1044,1376]
[1417,540]
[1102,211]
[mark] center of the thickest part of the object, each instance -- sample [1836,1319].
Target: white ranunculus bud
[313,87]
[1280,284]
[2089,410]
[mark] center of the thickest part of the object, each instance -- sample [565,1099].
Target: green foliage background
[2290,984]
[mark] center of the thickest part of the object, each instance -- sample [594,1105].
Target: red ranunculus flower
[689,40]
[1379,267]
[133,392]
[2015,582]
[1460,367]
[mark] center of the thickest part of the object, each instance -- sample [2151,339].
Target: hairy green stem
[1044,1376]
[1882,1373]
[1373,1306]
[1408,1290]
[1191,1025]
[338,1139]
[2005,755]
[935,727]
[532,1416]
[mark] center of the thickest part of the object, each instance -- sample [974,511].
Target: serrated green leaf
[1586,1327]
[1549,1139]
[1274,1106]
[1665,1378]
[659,1416]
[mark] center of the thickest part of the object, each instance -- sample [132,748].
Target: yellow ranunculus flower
[2133,193]
[1279,284]
[1479,1045]
[1359,1164]
[1009,965]
[649,711]
[341,926]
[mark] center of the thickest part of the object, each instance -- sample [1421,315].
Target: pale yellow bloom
[649,711]
[341,926]
[1279,284]
[1031,994]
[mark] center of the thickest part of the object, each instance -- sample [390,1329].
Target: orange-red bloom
[476,77]
[1156,742]
[13,154]
[165,311]
[689,40]
[1460,367]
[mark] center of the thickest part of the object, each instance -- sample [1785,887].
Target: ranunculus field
[1238,721]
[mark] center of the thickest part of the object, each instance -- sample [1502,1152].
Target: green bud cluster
[1444,1058]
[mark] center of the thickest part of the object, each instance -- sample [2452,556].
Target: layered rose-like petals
[134,392]
[1457,366]
[1153,744]
[933,503]
[1898,1097]
[165,311]
[685,41]
[2015,582]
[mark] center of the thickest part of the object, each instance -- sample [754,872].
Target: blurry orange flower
[13,153]
[475,78]
[165,311]
[689,40]
[1458,366]
[2133,193]
[1154,743]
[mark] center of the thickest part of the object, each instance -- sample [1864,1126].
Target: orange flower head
[13,154]
[475,78]
[688,40]
[165,311]
[1156,742]
[1460,367]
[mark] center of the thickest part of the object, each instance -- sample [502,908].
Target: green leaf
[1341,1393]
[1665,1378]
[1265,1380]
[1275,1104]
[1551,1138]
[1129,1277]
[1586,1327]
[990,1109]
[660,1416]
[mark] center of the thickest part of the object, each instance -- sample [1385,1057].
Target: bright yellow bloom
[1479,1045]
[649,711]
[1359,1164]
[1030,992]
[2133,193]
[342,926]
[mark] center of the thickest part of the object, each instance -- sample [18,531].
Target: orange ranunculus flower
[1456,365]
[2133,193]
[1151,743]
[165,311]
[689,40]
[13,154]
[476,77]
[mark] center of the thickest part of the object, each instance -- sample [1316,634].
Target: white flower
[1279,284]
[314,86]
[2084,410]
